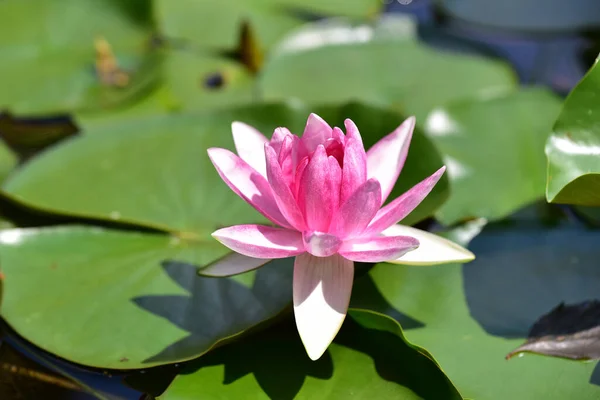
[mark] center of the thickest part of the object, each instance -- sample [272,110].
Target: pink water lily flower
[325,194]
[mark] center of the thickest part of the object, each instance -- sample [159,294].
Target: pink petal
[250,146]
[356,212]
[278,137]
[322,287]
[354,172]
[232,264]
[338,135]
[299,174]
[247,183]
[378,249]
[285,159]
[319,190]
[261,241]
[404,204]
[386,158]
[281,191]
[316,132]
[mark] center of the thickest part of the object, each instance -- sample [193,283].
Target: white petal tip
[315,354]
[322,287]
[316,341]
[237,125]
[433,249]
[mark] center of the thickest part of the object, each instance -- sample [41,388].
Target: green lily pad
[473,315]
[8,161]
[494,152]
[574,146]
[370,358]
[155,172]
[362,65]
[199,81]
[216,24]
[123,300]
[48,55]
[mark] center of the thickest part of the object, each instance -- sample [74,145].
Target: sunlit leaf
[394,71]
[216,24]
[49,54]
[494,152]
[573,149]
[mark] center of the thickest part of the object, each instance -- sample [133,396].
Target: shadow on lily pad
[526,269]
[217,308]
[366,295]
[274,356]
[595,378]
[279,364]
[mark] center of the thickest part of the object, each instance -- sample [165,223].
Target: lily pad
[155,171]
[48,53]
[370,358]
[473,315]
[199,81]
[574,146]
[399,72]
[211,24]
[493,150]
[126,300]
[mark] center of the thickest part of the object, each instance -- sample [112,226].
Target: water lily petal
[378,249]
[386,158]
[279,135]
[261,241]
[232,264]
[318,194]
[247,183]
[322,287]
[250,146]
[281,191]
[338,135]
[433,249]
[404,204]
[354,172]
[316,132]
[357,211]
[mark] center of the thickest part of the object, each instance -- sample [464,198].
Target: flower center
[335,148]
[321,244]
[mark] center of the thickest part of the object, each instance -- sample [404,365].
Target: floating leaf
[398,72]
[573,148]
[370,358]
[473,315]
[128,300]
[211,24]
[493,150]
[568,331]
[48,54]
